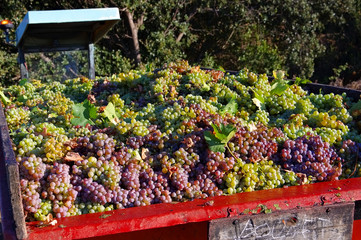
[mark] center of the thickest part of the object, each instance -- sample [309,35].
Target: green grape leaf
[23,81]
[231,108]
[83,113]
[52,115]
[218,132]
[279,87]
[205,87]
[300,81]
[4,98]
[111,114]
[279,74]
[215,145]
[258,99]
[137,156]
[257,102]
[91,108]
[220,137]
[220,68]
[22,98]
[226,132]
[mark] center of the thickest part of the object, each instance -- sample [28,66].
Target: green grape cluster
[55,149]
[29,143]
[15,117]
[59,104]
[264,174]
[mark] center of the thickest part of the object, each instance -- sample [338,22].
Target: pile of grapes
[173,135]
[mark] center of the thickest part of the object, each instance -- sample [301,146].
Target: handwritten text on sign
[331,222]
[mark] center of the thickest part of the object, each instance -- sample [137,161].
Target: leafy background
[314,39]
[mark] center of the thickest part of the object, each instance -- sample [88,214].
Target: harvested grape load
[173,135]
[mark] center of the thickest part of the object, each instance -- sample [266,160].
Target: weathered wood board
[11,208]
[319,222]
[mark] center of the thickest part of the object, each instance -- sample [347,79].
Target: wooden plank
[23,68]
[12,215]
[91,61]
[323,222]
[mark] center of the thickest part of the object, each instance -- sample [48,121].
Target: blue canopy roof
[57,30]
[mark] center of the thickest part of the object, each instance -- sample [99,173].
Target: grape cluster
[31,167]
[311,156]
[264,174]
[350,151]
[29,144]
[30,195]
[253,146]
[15,117]
[58,188]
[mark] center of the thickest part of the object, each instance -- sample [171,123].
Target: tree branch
[134,27]
[191,15]
[47,60]
[179,38]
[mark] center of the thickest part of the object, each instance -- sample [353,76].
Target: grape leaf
[215,145]
[73,157]
[257,102]
[22,98]
[227,132]
[258,99]
[218,132]
[52,115]
[231,108]
[35,109]
[279,87]
[91,108]
[220,137]
[111,114]
[205,87]
[83,113]
[4,98]
[300,81]
[279,74]
[220,68]
[23,81]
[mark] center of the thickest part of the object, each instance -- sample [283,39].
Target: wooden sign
[322,222]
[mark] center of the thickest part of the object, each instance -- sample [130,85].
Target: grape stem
[229,150]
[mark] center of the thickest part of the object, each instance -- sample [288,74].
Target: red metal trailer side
[189,220]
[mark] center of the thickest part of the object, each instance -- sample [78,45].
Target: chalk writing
[281,228]
[315,223]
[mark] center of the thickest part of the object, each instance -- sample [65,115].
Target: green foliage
[258,99]
[231,107]
[111,114]
[221,135]
[84,113]
[301,81]
[306,38]
[5,100]
[109,62]
[8,68]
[279,85]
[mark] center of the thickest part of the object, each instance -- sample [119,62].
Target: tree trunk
[134,27]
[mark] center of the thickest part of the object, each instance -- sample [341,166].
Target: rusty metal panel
[318,223]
